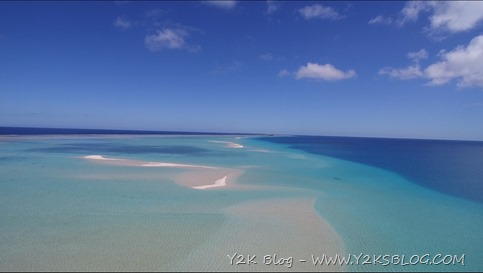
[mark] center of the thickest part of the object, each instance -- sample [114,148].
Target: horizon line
[5,130]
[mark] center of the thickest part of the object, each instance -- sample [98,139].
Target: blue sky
[385,69]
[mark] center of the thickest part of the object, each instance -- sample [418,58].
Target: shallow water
[60,211]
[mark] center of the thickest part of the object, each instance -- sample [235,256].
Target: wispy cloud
[380,19]
[284,73]
[411,11]
[154,13]
[170,38]
[463,64]
[123,23]
[443,16]
[318,11]
[411,72]
[227,68]
[272,6]
[325,72]
[407,73]
[270,57]
[418,55]
[162,34]
[223,4]
[267,56]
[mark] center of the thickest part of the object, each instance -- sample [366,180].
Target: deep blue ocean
[451,167]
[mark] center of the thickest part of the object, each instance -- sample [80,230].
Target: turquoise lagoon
[60,211]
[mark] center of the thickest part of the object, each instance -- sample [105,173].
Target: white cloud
[464,64]
[381,20]
[451,16]
[161,33]
[320,12]
[412,9]
[172,38]
[418,55]
[410,13]
[224,4]
[325,72]
[123,23]
[456,16]
[410,72]
[272,6]
[443,16]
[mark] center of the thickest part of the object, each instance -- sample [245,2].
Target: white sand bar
[234,145]
[164,164]
[140,163]
[229,144]
[218,183]
[206,179]
[99,157]
[197,177]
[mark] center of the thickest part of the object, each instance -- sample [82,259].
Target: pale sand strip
[203,179]
[288,227]
[218,183]
[99,157]
[195,176]
[229,144]
[140,163]
[234,145]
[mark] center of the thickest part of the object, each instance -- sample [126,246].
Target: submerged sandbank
[282,227]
